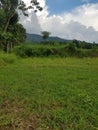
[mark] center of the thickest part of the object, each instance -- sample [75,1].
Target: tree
[9,8]
[9,37]
[45,34]
[9,19]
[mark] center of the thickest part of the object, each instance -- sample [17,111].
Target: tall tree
[45,34]
[9,8]
[9,18]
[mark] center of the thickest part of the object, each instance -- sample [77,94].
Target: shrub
[23,51]
[40,50]
[30,51]
[7,58]
[71,49]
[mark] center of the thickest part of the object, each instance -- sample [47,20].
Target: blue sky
[68,19]
[61,6]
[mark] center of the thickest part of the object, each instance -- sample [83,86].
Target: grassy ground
[48,93]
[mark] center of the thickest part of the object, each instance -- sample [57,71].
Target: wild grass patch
[49,94]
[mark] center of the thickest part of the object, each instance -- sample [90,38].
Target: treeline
[85,45]
[51,49]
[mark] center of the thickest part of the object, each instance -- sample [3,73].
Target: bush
[7,58]
[31,51]
[23,51]
[71,49]
[40,50]
[87,53]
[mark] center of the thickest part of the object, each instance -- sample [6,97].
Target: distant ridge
[38,38]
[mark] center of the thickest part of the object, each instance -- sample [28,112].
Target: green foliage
[53,50]
[9,22]
[45,34]
[7,58]
[49,94]
[71,48]
[83,44]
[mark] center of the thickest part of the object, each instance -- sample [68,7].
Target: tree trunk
[7,23]
[5,30]
[11,46]
[8,47]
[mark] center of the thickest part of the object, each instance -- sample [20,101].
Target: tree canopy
[11,32]
[45,34]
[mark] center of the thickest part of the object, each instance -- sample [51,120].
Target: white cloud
[86,15]
[42,3]
[81,23]
[30,23]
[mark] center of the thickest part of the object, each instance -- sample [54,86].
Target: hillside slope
[38,38]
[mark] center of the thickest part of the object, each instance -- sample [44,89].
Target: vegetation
[45,34]
[11,32]
[45,86]
[48,93]
[51,49]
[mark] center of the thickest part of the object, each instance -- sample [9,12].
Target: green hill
[38,38]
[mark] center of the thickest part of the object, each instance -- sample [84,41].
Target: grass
[48,93]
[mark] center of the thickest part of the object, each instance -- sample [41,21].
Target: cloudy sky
[69,19]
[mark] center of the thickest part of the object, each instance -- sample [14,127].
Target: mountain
[38,38]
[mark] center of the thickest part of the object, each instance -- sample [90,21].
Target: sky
[69,19]
[62,6]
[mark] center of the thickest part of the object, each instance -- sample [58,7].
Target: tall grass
[7,58]
[49,94]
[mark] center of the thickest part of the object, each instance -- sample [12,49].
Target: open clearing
[48,93]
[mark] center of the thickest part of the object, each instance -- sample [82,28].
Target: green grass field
[48,93]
